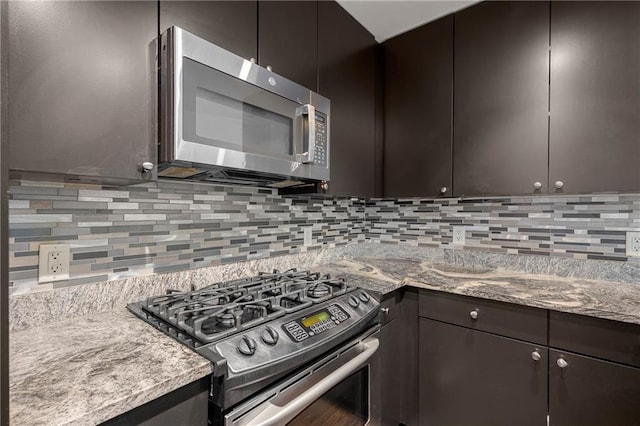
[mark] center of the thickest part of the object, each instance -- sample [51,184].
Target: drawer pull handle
[385,311]
[535,355]
[474,314]
[562,363]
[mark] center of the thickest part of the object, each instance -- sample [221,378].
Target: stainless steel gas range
[287,347]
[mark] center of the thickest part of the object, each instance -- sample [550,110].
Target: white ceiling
[388,18]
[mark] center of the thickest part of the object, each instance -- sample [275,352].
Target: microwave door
[223,116]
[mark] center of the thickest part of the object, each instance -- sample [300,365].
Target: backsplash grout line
[155,227]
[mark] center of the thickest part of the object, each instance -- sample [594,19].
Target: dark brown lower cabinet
[398,355]
[588,391]
[469,377]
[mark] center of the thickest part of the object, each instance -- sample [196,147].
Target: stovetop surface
[214,312]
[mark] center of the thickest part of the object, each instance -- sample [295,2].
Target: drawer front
[611,340]
[506,319]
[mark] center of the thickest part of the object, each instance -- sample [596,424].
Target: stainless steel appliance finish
[224,118]
[259,331]
[282,403]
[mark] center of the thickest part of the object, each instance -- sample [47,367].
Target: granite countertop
[85,371]
[601,299]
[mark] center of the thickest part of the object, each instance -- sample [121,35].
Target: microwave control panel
[320,152]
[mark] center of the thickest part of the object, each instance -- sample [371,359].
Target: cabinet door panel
[418,118]
[81,87]
[232,25]
[346,75]
[501,85]
[595,96]
[468,377]
[288,40]
[398,359]
[592,392]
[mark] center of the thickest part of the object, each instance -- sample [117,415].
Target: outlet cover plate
[633,244]
[459,235]
[53,262]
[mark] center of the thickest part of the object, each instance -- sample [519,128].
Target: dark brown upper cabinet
[501,86]
[81,87]
[232,25]
[347,76]
[418,111]
[288,40]
[595,96]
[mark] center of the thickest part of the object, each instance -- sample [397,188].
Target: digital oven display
[316,323]
[320,316]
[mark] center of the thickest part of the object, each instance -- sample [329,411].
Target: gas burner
[219,310]
[318,290]
[226,320]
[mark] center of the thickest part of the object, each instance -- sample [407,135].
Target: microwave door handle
[274,414]
[306,157]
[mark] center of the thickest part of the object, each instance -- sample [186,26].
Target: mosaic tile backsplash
[573,226]
[118,232]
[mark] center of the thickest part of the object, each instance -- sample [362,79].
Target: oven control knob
[270,336]
[247,345]
[353,301]
[364,297]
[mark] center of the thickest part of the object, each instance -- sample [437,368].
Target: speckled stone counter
[602,299]
[85,371]
[90,369]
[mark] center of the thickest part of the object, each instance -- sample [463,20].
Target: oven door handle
[307,157]
[274,414]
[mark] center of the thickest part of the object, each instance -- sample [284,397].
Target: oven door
[334,390]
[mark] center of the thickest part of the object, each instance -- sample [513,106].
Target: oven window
[241,125]
[225,112]
[347,404]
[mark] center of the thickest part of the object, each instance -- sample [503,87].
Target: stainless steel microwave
[226,119]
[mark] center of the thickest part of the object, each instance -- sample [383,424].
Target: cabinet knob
[535,355]
[252,60]
[146,167]
[537,185]
[444,190]
[562,363]
[559,184]
[385,311]
[269,68]
[474,314]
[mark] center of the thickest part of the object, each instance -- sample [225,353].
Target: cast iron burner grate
[214,312]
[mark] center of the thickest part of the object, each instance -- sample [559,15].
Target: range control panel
[320,152]
[296,333]
[315,323]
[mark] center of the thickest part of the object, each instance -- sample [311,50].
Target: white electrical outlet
[633,243]
[459,235]
[54,262]
[307,236]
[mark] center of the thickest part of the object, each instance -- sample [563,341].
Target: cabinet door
[417,108]
[398,352]
[595,96]
[346,75]
[501,86]
[288,40]
[82,87]
[469,377]
[232,25]
[588,391]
